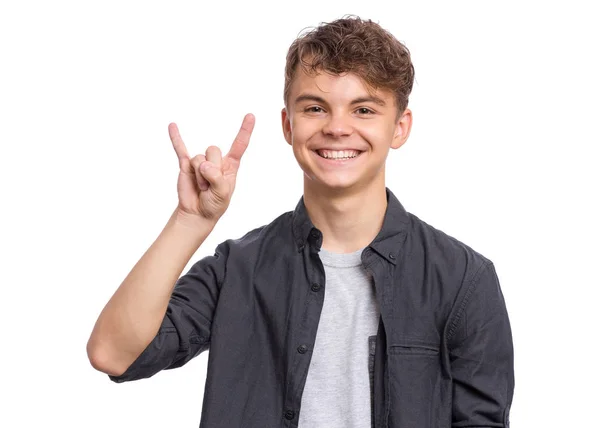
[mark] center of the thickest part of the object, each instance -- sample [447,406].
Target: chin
[335,185]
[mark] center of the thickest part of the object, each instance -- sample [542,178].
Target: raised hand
[206,182]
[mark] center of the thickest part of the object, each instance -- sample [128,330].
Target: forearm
[133,315]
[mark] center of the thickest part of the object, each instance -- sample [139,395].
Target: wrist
[191,225]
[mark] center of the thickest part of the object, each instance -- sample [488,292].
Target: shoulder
[448,256]
[441,241]
[279,230]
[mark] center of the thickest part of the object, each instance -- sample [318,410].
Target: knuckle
[197,160]
[213,149]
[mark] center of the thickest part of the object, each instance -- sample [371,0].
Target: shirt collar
[387,242]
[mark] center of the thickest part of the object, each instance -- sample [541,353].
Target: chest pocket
[415,384]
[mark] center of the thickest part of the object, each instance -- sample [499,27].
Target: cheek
[302,132]
[378,136]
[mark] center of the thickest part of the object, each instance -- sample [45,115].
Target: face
[339,132]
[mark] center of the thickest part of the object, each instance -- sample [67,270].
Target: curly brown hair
[351,44]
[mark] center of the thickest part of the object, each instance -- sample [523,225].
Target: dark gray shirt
[442,356]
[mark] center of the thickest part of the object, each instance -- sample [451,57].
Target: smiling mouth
[350,156]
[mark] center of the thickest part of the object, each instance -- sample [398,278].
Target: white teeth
[338,154]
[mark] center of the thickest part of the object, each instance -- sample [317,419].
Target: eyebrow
[311,97]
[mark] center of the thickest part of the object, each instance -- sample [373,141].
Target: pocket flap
[414,346]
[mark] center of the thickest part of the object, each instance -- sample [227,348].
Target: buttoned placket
[307,330]
[383,292]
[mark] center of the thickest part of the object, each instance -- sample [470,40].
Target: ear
[286,126]
[402,131]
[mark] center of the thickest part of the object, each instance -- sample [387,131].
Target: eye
[313,109]
[364,110]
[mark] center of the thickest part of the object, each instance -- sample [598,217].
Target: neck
[349,218]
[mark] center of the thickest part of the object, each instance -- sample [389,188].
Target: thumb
[215,178]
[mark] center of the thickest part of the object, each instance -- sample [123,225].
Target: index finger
[178,144]
[240,144]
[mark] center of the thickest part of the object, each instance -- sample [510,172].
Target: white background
[502,155]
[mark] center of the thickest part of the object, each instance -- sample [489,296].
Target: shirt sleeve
[481,355]
[185,329]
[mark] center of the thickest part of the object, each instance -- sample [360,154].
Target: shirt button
[315,287]
[392,256]
[302,349]
[289,414]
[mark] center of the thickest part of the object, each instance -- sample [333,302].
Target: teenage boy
[348,311]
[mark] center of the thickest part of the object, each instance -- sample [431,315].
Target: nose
[337,125]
